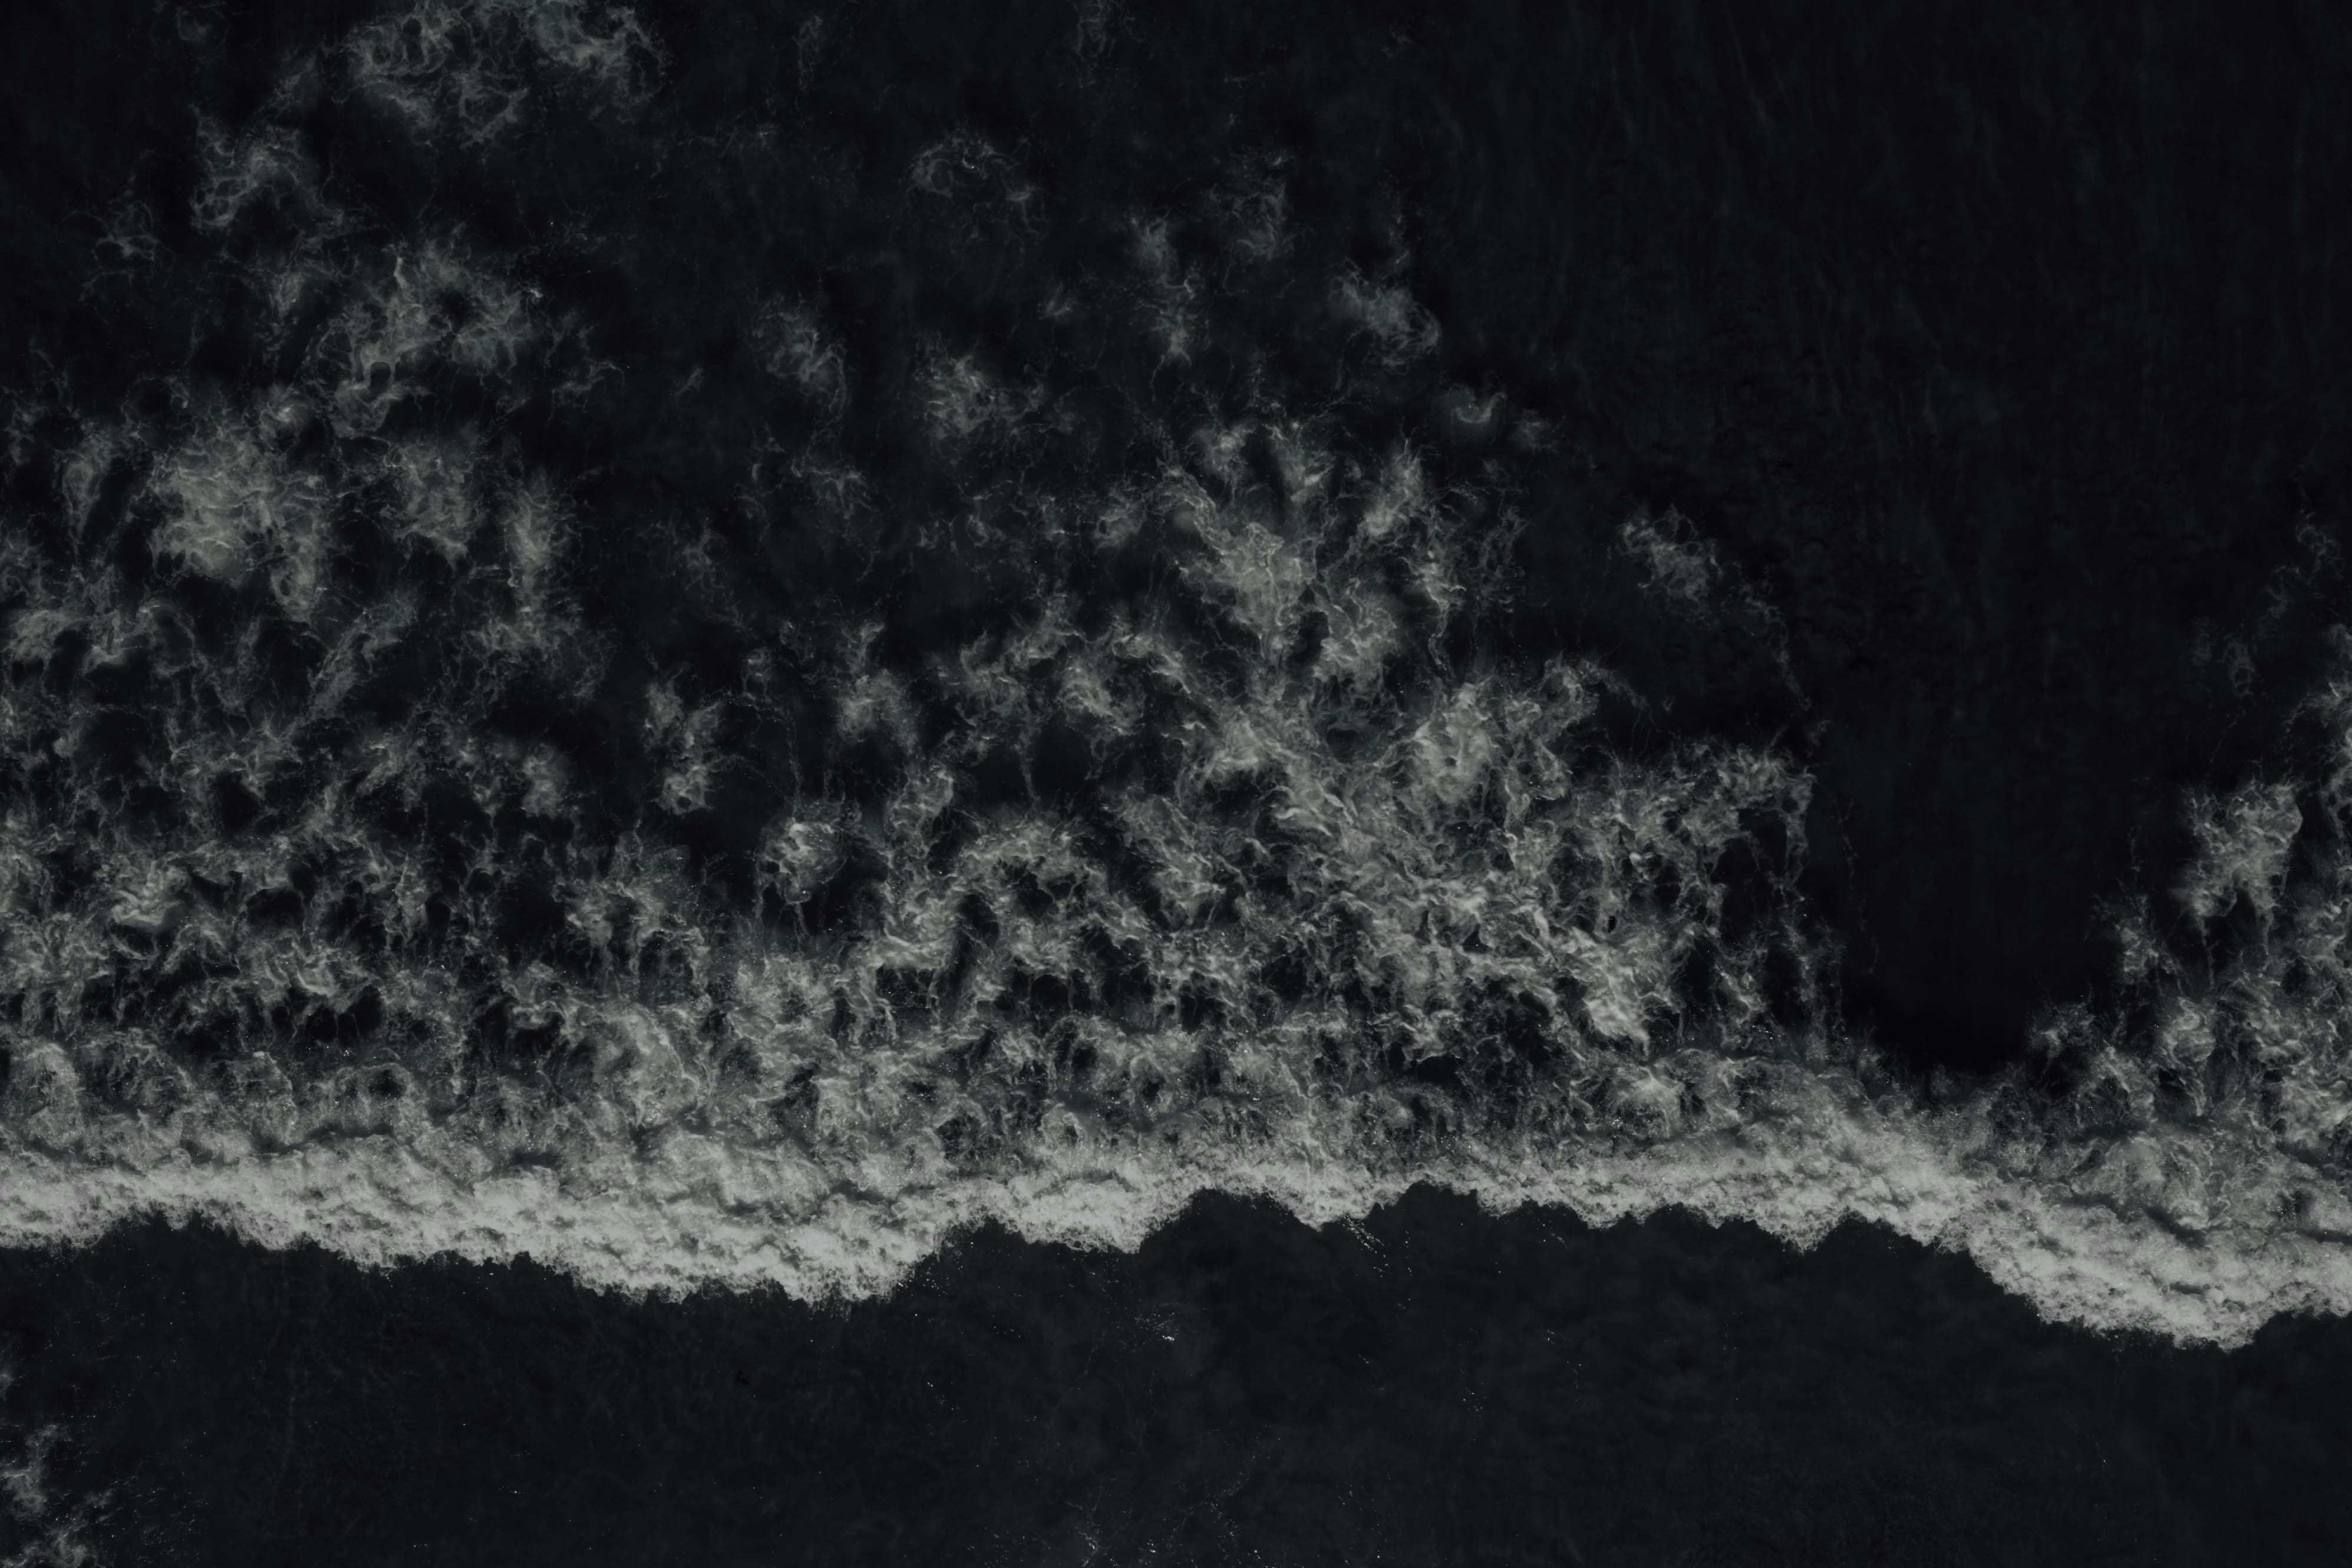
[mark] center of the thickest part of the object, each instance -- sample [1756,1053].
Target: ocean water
[697,658]
[1440,1385]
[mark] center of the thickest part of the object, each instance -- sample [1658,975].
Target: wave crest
[367,881]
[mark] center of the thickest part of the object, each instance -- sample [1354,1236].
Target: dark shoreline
[1443,1386]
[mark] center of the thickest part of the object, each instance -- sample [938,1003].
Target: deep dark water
[1443,1386]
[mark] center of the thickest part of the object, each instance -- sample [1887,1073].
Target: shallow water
[1438,1384]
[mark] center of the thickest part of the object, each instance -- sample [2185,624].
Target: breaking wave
[373,879]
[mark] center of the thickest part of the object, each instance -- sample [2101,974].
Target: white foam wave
[1333,907]
[688,1212]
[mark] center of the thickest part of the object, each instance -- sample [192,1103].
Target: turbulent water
[1051,783]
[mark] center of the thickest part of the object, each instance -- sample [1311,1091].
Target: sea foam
[1218,857]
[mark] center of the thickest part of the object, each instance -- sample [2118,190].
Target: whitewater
[1223,855]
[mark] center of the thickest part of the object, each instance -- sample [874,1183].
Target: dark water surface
[1999,344]
[1441,1386]
[710,644]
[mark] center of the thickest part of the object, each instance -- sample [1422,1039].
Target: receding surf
[1223,855]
